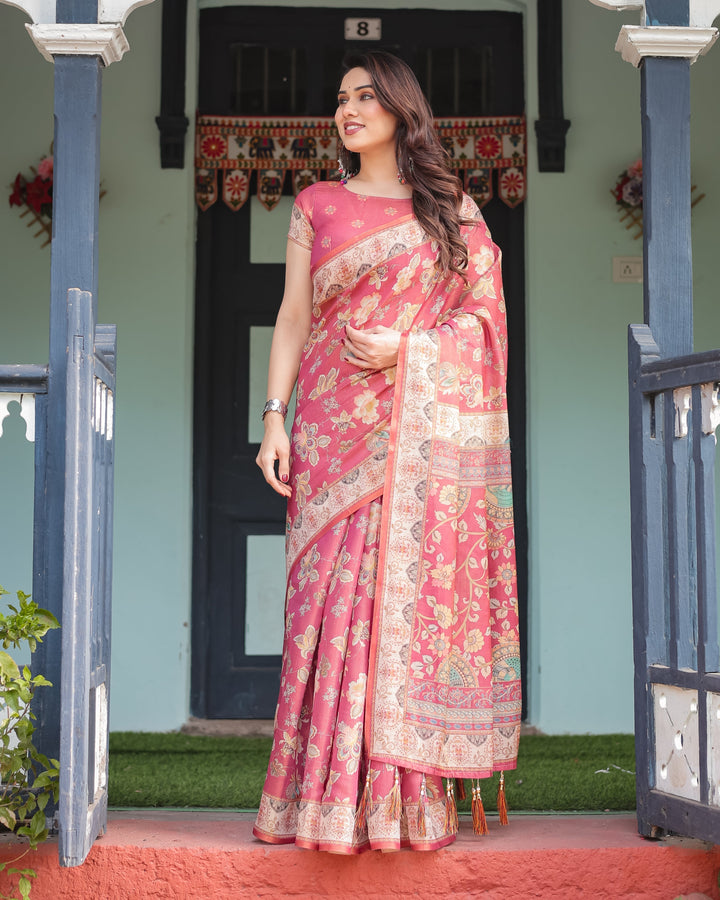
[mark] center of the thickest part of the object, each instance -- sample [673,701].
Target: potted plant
[28,780]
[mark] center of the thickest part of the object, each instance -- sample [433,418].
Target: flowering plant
[628,190]
[36,192]
[35,196]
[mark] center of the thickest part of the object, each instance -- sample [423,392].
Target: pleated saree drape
[401,654]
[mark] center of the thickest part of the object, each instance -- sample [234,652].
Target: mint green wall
[580,631]
[146,287]
[146,284]
[581,671]
[26,116]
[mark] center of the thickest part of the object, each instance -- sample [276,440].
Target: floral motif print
[368,305]
[438,477]
[306,442]
[318,763]
[214,147]
[366,407]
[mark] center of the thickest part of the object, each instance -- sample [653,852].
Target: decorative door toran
[307,149]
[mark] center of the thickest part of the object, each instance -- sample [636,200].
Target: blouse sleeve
[301,229]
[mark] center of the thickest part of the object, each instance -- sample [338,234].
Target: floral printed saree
[401,653]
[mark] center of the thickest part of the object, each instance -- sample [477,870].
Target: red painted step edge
[183,855]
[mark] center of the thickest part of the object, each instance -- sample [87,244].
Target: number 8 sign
[363,29]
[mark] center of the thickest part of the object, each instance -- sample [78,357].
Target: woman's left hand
[374,348]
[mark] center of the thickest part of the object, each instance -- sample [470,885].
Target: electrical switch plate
[627,269]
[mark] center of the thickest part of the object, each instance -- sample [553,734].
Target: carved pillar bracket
[679,42]
[106,41]
[48,12]
[79,27]
[552,126]
[679,29]
[550,135]
[172,121]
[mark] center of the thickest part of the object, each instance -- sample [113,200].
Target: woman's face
[364,125]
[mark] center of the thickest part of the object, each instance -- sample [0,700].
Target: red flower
[17,197]
[618,189]
[488,147]
[45,168]
[236,185]
[38,194]
[513,183]
[213,147]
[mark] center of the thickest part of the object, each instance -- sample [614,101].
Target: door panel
[260,61]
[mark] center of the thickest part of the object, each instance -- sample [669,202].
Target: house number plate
[363,29]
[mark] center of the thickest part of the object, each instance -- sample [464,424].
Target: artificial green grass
[554,773]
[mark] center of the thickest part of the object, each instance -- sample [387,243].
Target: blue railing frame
[675,604]
[33,379]
[87,579]
[73,715]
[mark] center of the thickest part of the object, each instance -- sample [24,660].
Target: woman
[400,660]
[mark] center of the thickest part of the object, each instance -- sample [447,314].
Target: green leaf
[7,818]
[8,666]
[37,823]
[11,699]
[46,618]
[24,886]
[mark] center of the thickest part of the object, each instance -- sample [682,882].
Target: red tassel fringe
[421,809]
[451,815]
[365,802]
[502,801]
[480,825]
[460,788]
[394,800]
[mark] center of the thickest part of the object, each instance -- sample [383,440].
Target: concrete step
[191,854]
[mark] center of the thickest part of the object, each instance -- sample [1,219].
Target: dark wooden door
[265,61]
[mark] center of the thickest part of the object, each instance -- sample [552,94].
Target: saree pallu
[401,652]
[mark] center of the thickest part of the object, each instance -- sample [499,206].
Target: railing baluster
[705,450]
[674,586]
[680,537]
[656,527]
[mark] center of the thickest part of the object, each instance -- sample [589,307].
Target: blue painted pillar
[666,203]
[665,98]
[78,11]
[74,264]
[667,12]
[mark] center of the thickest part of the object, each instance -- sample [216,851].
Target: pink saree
[401,653]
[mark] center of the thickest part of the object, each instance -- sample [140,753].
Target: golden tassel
[502,801]
[460,788]
[365,802]
[394,800]
[451,816]
[421,808]
[480,825]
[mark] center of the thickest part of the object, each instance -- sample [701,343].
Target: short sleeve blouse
[326,216]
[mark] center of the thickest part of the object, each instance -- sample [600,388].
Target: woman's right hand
[275,446]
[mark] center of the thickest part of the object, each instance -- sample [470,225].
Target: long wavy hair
[422,160]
